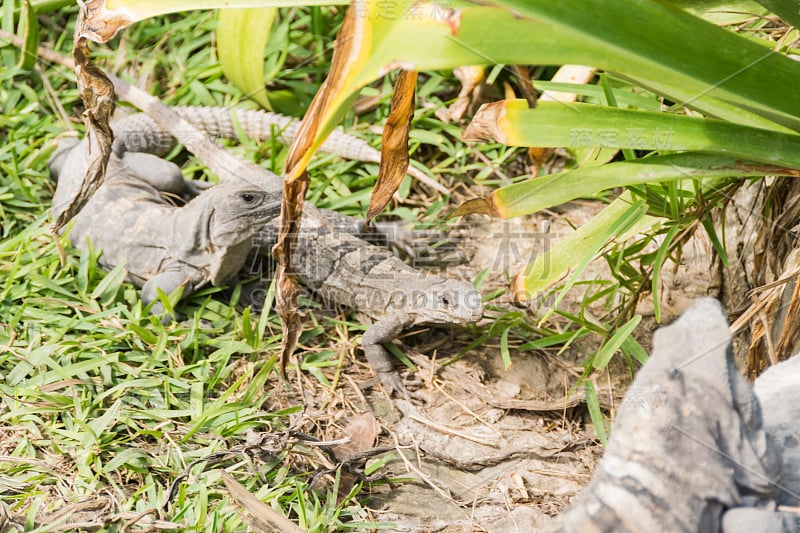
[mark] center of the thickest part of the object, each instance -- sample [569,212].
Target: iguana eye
[248,197]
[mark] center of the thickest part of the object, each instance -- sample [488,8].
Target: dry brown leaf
[263,517]
[482,206]
[394,152]
[286,285]
[484,124]
[99,23]
[362,431]
[470,78]
[296,182]
[97,93]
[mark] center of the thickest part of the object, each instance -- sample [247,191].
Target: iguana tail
[139,133]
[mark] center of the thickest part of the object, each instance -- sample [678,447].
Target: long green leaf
[28,30]
[658,41]
[595,413]
[540,193]
[604,354]
[7,25]
[661,256]
[555,124]
[625,97]
[242,35]
[707,105]
[722,11]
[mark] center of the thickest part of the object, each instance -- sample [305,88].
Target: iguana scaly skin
[331,260]
[343,269]
[689,450]
[162,246]
[139,133]
[778,392]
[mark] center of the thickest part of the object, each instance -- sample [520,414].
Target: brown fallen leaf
[362,433]
[394,152]
[97,93]
[263,518]
[483,205]
[470,78]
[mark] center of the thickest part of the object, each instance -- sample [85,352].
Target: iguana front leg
[379,359]
[164,175]
[167,282]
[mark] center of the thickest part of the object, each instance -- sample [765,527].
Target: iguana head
[447,301]
[242,207]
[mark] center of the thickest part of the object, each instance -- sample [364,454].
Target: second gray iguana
[330,260]
[343,269]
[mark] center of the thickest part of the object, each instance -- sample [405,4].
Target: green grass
[97,398]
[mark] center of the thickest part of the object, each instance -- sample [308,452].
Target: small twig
[62,255]
[525,84]
[425,478]
[130,523]
[466,409]
[410,411]
[11,338]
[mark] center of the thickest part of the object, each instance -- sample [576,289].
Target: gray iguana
[331,261]
[690,449]
[162,246]
[346,270]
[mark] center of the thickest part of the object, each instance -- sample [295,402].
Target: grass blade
[607,351]
[570,256]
